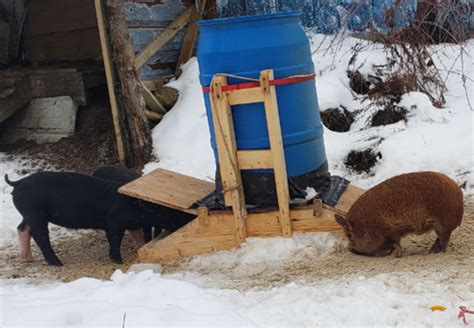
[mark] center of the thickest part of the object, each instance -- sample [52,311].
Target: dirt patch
[92,145]
[358,82]
[337,119]
[389,115]
[391,90]
[362,160]
[84,254]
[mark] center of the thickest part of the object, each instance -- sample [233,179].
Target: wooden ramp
[170,189]
[215,230]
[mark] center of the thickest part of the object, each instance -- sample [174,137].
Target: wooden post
[276,146]
[317,207]
[110,76]
[203,215]
[191,35]
[227,150]
[132,104]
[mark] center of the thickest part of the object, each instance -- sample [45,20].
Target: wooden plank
[14,94]
[59,84]
[152,103]
[191,35]
[146,53]
[68,45]
[110,76]
[348,198]
[276,145]
[53,16]
[217,232]
[153,115]
[254,159]
[245,96]
[227,150]
[192,239]
[169,188]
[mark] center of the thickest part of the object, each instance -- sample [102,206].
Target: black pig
[75,201]
[153,215]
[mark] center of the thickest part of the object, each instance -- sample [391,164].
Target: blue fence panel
[328,16]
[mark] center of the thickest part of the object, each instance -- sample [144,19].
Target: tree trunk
[130,93]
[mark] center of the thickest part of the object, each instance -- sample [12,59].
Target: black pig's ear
[343,222]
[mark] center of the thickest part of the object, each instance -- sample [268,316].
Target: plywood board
[169,188]
[348,198]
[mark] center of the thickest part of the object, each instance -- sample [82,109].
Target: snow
[182,140]
[430,139]
[145,298]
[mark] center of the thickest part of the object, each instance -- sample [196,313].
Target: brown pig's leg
[397,249]
[441,243]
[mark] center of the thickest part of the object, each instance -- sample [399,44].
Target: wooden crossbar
[233,160]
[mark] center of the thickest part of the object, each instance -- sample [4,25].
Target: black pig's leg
[115,236]
[147,232]
[39,232]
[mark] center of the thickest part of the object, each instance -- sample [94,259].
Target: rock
[167,96]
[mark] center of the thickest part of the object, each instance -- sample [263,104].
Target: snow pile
[431,139]
[181,141]
[252,257]
[147,298]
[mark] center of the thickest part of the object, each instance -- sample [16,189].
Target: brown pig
[408,203]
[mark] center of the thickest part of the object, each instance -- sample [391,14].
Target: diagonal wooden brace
[227,150]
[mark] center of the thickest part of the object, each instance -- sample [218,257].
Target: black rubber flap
[260,190]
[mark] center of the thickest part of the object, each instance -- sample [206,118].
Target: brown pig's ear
[343,222]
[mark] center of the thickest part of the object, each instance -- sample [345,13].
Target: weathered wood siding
[146,21]
[62,30]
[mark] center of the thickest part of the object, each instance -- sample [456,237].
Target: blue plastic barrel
[246,45]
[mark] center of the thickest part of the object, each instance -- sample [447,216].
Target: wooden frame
[221,230]
[215,230]
[233,160]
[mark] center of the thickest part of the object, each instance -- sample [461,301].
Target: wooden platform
[170,189]
[212,231]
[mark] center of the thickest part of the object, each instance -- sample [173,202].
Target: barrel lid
[240,19]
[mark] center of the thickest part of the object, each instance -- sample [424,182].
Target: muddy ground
[84,254]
